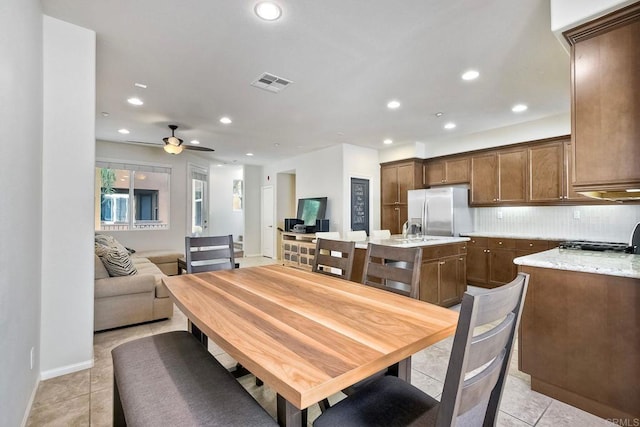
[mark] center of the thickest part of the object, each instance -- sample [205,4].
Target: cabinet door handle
[460,259]
[396,209]
[530,244]
[499,243]
[441,263]
[488,251]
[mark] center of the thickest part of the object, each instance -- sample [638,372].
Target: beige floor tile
[427,384]
[561,414]
[72,412]
[506,420]
[62,388]
[518,400]
[102,378]
[432,361]
[102,408]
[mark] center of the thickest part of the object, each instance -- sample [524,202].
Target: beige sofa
[142,297]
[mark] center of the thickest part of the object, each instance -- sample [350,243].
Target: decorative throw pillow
[117,261]
[110,241]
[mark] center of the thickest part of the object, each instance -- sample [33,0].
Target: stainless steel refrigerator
[442,211]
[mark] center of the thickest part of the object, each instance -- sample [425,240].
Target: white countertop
[398,241]
[607,263]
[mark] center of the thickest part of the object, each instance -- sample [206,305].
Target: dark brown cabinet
[546,172]
[477,261]
[396,179]
[499,177]
[447,171]
[605,76]
[490,260]
[501,267]
[443,274]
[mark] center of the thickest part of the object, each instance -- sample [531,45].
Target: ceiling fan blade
[197,148]
[146,143]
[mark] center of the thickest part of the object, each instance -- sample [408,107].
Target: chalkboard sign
[360,204]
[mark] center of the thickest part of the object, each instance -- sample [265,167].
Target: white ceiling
[347,59]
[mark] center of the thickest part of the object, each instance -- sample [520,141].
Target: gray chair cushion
[172,380]
[388,401]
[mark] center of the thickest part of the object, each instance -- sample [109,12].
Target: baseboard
[252,255]
[52,373]
[27,412]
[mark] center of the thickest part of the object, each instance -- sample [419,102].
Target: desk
[307,335]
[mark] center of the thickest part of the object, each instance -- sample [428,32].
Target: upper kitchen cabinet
[396,179]
[605,77]
[546,172]
[499,177]
[447,171]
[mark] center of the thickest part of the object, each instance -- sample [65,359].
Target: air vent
[271,83]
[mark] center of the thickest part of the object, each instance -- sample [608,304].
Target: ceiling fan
[174,145]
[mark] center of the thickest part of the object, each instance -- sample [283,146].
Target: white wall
[68,176]
[223,219]
[252,235]
[173,238]
[21,201]
[360,162]
[318,174]
[612,223]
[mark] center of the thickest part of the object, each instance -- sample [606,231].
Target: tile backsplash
[611,223]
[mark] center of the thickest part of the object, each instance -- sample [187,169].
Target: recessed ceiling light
[393,104]
[439,114]
[225,120]
[249,154]
[140,85]
[268,11]
[123,131]
[135,101]
[105,114]
[195,141]
[276,144]
[219,165]
[450,125]
[470,75]
[519,108]
[387,141]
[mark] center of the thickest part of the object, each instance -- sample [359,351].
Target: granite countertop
[399,241]
[504,235]
[607,263]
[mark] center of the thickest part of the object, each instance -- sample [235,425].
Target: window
[132,197]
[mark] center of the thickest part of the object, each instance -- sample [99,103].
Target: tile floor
[85,398]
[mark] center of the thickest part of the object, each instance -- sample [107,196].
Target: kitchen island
[443,278]
[579,336]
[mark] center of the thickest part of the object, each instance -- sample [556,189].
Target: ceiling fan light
[173,149]
[172,140]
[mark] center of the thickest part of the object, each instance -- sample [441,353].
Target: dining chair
[209,253]
[393,269]
[332,255]
[357,236]
[477,372]
[380,234]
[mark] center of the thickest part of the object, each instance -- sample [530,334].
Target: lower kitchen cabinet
[501,267]
[490,260]
[443,274]
[478,261]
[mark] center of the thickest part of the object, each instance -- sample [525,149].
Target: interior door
[198,202]
[267,222]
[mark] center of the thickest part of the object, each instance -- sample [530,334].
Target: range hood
[629,195]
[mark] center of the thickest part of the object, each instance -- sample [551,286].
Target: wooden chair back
[479,363]
[334,254]
[209,253]
[393,269]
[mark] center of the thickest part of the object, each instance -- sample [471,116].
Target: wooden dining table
[307,335]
